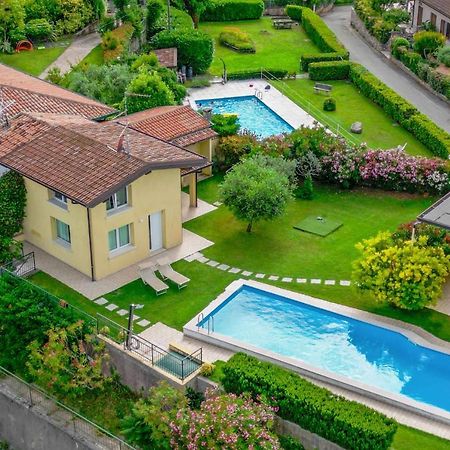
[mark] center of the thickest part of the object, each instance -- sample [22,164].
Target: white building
[435,11]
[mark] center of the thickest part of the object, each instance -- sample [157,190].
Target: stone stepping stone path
[144,323]
[221,266]
[111,307]
[122,312]
[101,301]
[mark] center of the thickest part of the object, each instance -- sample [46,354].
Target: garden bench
[283,23]
[320,87]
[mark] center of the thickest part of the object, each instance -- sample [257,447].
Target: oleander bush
[232,10]
[195,48]
[329,70]
[347,423]
[237,39]
[434,138]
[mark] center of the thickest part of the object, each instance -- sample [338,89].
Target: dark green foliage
[106,24]
[349,424]
[249,74]
[308,58]
[294,12]
[329,104]
[225,125]
[444,55]
[409,58]
[289,443]
[194,398]
[329,70]
[38,30]
[26,313]
[232,10]
[397,43]
[155,10]
[13,198]
[306,191]
[436,139]
[231,149]
[195,48]
[396,16]
[426,42]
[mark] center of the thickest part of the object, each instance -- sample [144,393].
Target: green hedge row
[329,70]
[320,34]
[249,74]
[433,137]
[231,10]
[347,423]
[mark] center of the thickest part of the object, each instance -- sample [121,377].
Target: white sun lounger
[166,271]
[147,274]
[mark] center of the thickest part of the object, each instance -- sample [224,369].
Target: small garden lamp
[132,308]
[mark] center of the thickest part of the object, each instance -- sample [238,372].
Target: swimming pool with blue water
[339,344]
[253,114]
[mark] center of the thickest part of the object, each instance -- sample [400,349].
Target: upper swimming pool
[253,114]
[335,343]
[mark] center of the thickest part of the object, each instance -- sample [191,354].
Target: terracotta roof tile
[167,57]
[79,158]
[171,123]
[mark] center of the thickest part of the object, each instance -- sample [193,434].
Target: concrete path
[74,53]
[339,21]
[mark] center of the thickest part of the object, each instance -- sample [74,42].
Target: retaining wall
[359,26]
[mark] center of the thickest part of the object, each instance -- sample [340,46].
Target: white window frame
[63,198]
[60,238]
[116,232]
[113,200]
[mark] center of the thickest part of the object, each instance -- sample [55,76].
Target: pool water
[253,114]
[339,344]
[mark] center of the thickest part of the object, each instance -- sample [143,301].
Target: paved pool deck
[273,98]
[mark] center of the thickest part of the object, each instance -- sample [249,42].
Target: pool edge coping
[412,332]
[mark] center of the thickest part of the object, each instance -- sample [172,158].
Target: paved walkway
[74,53]
[360,51]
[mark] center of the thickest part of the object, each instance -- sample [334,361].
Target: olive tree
[257,188]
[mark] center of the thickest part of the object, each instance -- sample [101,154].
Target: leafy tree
[195,8]
[146,91]
[426,42]
[13,197]
[254,192]
[407,274]
[225,124]
[69,363]
[12,18]
[154,12]
[148,425]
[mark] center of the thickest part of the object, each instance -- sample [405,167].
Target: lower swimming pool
[253,114]
[360,351]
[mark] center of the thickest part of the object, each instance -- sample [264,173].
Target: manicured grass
[409,438]
[319,225]
[95,56]
[379,130]
[33,62]
[275,49]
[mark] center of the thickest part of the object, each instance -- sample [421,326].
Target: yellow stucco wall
[206,149]
[157,191]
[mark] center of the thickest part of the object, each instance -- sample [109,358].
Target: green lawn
[379,130]
[33,62]
[95,56]
[275,49]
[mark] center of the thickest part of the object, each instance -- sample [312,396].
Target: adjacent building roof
[167,57]
[85,160]
[438,214]
[442,6]
[180,125]
[24,93]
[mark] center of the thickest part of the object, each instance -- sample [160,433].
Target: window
[118,238]
[433,19]
[117,200]
[62,231]
[60,197]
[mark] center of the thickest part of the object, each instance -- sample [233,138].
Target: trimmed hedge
[195,48]
[329,70]
[345,422]
[320,34]
[232,10]
[433,137]
[250,74]
[237,40]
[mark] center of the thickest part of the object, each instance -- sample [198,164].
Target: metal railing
[23,266]
[311,109]
[180,367]
[68,420]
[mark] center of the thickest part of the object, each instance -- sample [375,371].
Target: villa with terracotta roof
[101,195]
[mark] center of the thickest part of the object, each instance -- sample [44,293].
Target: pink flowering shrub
[386,169]
[225,422]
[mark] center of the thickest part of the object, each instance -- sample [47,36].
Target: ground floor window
[118,238]
[62,231]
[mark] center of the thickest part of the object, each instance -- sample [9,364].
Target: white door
[155,231]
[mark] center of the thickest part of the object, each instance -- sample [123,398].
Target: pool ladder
[209,323]
[258,94]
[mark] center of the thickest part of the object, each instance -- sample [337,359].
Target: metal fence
[23,266]
[67,419]
[311,109]
[176,365]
